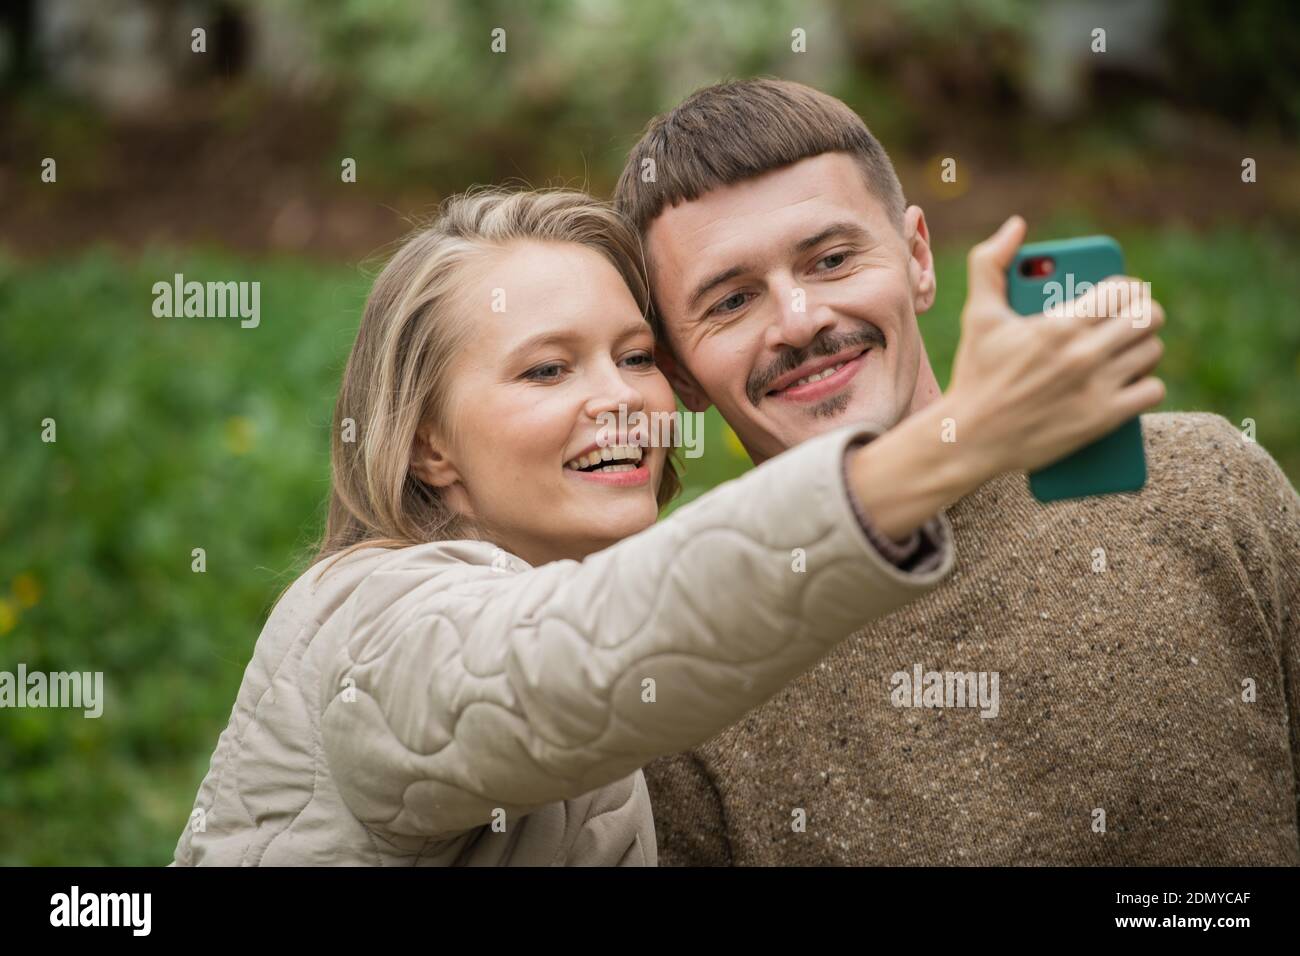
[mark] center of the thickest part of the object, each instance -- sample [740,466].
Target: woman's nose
[611,390]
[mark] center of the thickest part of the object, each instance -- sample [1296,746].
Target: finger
[1137,361]
[1118,332]
[1105,299]
[1137,398]
[986,266]
[1143,309]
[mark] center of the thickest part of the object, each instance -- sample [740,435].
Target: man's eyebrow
[711,283]
[836,230]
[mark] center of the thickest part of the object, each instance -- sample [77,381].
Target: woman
[497,634]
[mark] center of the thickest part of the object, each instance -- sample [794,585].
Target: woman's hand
[1025,392]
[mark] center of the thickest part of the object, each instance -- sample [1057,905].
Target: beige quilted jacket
[448,704]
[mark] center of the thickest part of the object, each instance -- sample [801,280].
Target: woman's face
[555,340]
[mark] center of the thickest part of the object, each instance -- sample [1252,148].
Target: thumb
[986,266]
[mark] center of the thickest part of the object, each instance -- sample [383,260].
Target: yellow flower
[8,617]
[27,590]
[732,442]
[239,435]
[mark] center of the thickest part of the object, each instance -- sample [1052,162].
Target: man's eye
[730,304]
[833,261]
[545,373]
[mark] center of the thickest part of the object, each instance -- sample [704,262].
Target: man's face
[794,274]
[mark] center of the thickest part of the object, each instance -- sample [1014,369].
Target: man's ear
[920,260]
[429,461]
[682,381]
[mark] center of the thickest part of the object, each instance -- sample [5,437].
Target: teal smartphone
[1047,272]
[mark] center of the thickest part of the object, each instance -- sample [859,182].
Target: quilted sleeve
[469,686]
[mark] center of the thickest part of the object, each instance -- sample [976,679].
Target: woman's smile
[619,466]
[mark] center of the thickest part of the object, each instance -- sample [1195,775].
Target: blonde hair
[398,377]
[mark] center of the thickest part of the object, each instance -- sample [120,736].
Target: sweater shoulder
[1171,436]
[1201,441]
[1203,459]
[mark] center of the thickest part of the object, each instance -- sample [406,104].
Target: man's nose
[796,319]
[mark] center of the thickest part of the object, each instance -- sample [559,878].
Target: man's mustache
[827,343]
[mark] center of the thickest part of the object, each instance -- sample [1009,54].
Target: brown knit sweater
[1121,692]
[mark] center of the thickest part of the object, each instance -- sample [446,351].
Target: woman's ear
[429,460]
[682,381]
[920,259]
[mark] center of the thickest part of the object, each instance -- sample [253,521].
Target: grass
[176,434]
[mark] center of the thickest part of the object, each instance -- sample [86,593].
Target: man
[1143,650]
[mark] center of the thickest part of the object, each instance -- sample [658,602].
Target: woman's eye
[545,373]
[730,304]
[641,360]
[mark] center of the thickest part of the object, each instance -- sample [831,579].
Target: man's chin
[789,427]
[816,423]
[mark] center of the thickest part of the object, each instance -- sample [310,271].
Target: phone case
[1117,461]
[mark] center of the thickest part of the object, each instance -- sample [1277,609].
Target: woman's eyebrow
[571,336]
[534,342]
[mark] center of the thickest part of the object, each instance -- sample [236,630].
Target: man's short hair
[733,131]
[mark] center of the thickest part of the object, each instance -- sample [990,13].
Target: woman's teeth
[624,457]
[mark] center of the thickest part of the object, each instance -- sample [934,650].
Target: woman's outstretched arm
[465,681]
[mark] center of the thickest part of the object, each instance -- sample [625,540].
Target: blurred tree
[1241,60]
[16,43]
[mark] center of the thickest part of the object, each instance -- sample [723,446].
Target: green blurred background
[175,434]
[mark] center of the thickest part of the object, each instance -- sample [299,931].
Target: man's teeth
[627,457]
[824,373]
